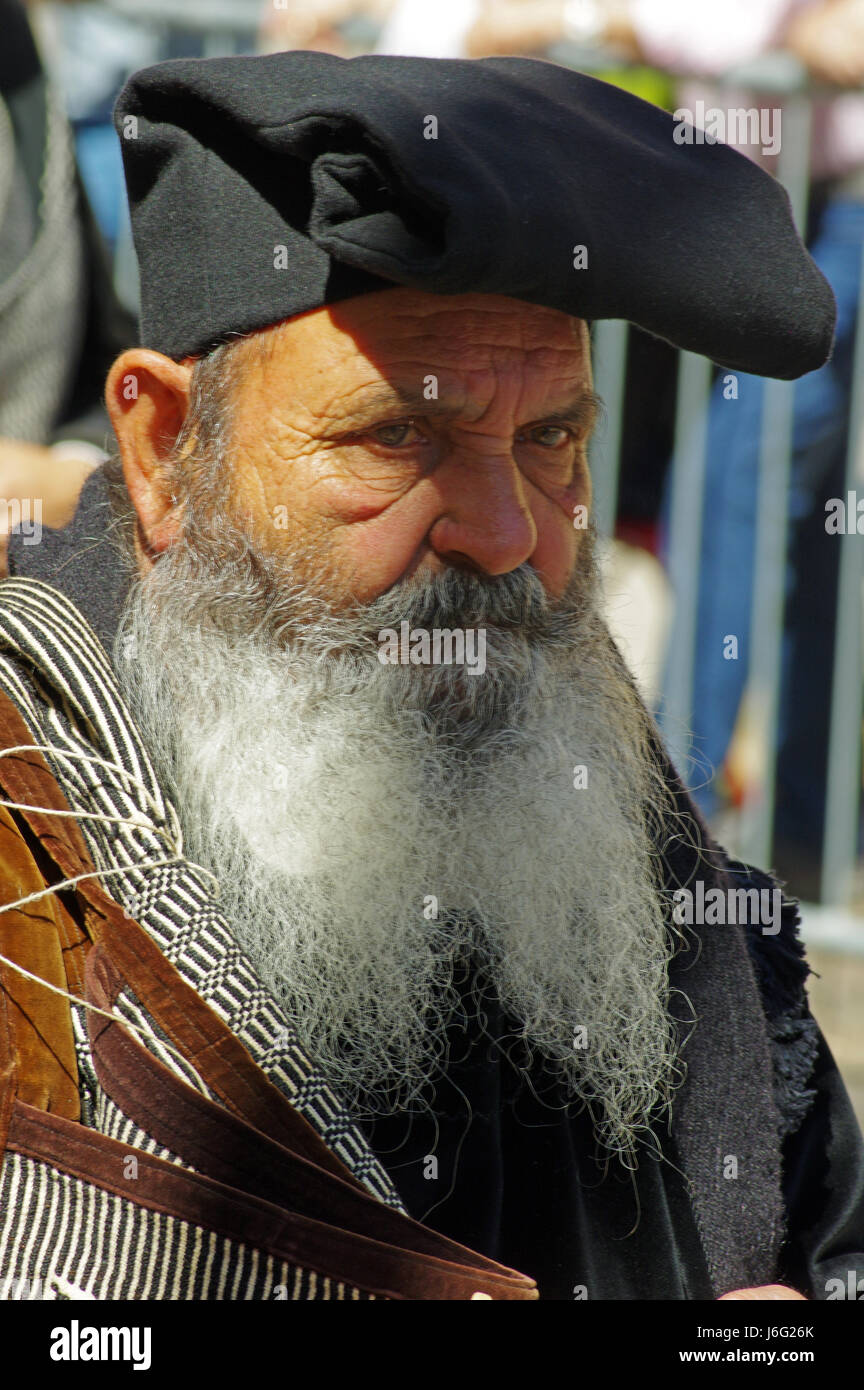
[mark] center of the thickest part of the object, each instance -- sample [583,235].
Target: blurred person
[402,933]
[488,28]
[90,50]
[60,323]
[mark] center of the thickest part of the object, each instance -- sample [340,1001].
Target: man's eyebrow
[581,408]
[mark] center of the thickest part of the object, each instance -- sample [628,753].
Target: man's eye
[392,436]
[540,434]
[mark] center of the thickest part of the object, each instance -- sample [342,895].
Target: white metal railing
[775,76]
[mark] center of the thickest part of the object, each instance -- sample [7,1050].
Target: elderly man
[359,939]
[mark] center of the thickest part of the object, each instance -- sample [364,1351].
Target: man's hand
[765,1292]
[29,472]
[315,23]
[829,40]
[32,471]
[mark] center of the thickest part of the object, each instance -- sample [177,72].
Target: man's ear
[147,397]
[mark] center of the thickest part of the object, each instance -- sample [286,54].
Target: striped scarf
[92,1242]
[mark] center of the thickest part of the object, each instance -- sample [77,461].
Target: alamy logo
[443,646]
[719,907]
[76,1343]
[18,515]
[852,1288]
[739,125]
[845,518]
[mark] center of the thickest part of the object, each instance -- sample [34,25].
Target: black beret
[262,187]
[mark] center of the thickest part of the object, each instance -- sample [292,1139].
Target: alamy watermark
[720,907]
[845,517]
[18,513]
[443,646]
[738,125]
[77,1343]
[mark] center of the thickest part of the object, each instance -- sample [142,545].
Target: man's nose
[485,518]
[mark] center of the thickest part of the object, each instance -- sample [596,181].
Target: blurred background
[728,505]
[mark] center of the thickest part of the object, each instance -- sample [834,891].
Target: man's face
[406,432]
[374,826]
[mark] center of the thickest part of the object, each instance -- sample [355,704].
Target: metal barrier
[778,76]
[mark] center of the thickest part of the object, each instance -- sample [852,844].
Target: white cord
[140,822]
[88,758]
[114,1017]
[96,873]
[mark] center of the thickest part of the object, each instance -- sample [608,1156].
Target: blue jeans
[101,163]
[820,434]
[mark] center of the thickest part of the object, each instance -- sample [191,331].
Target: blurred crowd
[68,298]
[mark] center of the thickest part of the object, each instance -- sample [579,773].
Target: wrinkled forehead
[406,334]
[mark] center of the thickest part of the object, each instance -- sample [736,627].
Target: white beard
[370,824]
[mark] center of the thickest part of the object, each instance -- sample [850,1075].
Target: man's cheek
[373,555]
[560,536]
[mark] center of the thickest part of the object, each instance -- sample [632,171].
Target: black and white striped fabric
[61,1238]
[65,1234]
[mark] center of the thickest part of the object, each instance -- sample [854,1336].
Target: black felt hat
[263,187]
